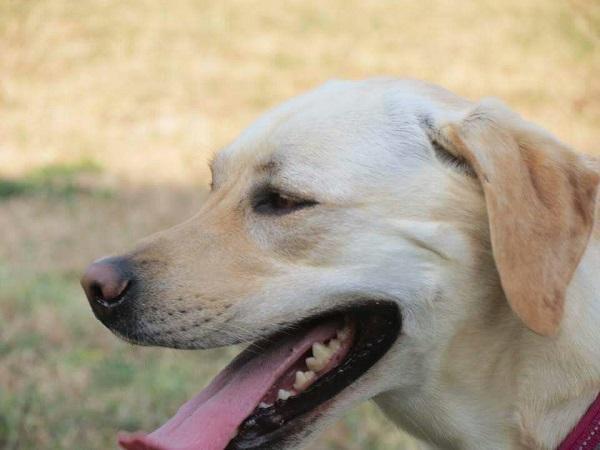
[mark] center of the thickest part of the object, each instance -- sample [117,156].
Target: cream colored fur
[393,222]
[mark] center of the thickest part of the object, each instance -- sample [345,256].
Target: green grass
[68,382]
[60,180]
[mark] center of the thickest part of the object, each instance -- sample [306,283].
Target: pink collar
[586,434]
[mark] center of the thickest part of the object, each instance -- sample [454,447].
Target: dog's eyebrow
[270,167]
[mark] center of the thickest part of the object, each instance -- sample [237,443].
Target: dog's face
[329,198]
[340,205]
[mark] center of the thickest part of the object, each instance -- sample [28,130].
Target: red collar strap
[586,434]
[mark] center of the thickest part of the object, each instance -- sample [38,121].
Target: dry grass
[145,91]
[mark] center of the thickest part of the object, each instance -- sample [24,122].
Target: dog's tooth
[334,345]
[309,376]
[263,405]
[314,364]
[321,352]
[282,394]
[302,379]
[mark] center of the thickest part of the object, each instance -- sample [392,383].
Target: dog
[381,239]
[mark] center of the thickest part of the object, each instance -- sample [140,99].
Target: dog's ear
[540,198]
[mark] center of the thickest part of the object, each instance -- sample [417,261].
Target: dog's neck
[509,388]
[470,400]
[560,377]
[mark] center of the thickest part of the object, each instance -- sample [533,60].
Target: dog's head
[351,232]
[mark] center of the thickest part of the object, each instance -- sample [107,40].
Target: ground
[109,110]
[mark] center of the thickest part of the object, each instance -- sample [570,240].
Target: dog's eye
[273,202]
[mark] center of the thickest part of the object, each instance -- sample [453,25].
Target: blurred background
[109,110]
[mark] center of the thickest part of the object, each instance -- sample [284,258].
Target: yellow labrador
[381,240]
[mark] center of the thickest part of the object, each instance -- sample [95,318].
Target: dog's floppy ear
[540,198]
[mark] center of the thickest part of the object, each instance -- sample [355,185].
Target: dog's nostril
[106,282]
[96,290]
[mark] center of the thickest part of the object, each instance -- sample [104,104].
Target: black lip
[378,326]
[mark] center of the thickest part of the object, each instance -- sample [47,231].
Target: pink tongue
[210,420]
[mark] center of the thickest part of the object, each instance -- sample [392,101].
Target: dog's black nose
[105,282]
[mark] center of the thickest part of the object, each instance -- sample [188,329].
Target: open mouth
[278,385]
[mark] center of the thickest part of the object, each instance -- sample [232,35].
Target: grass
[54,180]
[66,385]
[109,110]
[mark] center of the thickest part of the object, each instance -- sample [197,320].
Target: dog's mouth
[273,389]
